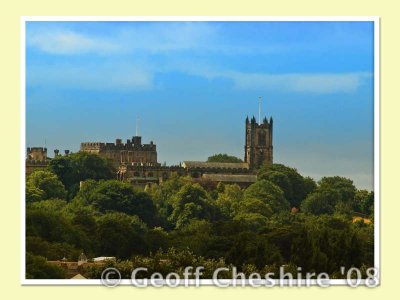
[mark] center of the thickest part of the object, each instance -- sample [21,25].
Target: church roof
[213,165]
[239,178]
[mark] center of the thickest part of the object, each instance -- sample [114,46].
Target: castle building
[133,151]
[137,163]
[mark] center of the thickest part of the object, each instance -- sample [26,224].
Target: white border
[277,282]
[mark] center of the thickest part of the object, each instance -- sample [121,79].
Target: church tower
[258,148]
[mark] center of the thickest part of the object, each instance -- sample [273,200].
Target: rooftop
[214,165]
[231,178]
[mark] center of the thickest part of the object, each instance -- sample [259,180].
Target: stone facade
[258,148]
[133,151]
[36,154]
[36,159]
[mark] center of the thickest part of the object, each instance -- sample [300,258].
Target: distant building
[258,149]
[137,163]
[133,151]
[37,159]
[258,152]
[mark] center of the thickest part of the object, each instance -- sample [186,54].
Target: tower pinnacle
[137,126]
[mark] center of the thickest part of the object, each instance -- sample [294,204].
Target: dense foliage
[224,158]
[282,219]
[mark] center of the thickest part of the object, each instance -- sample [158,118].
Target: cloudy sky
[192,84]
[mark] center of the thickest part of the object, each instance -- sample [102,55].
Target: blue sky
[192,84]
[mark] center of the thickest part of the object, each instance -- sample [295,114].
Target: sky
[191,85]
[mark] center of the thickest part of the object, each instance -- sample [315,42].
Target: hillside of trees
[282,219]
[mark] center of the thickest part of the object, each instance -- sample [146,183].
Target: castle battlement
[36,154]
[133,151]
[132,145]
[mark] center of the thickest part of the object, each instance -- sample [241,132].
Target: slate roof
[231,178]
[214,165]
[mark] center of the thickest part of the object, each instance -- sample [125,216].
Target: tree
[224,158]
[364,202]
[295,187]
[321,202]
[282,180]
[121,235]
[38,268]
[250,248]
[46,219]
[253,221]
[113,195]
[269,193]
[326,243]
[33,194]
[163,196]
[342,185]
[52,205]
[51,250]
[157,239]
[196,235]
[253,205]
[81,166]
[229,198]
[42,185]
[191,202]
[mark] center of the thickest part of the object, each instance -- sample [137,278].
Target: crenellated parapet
[36,154]
[133,151]
[132,145]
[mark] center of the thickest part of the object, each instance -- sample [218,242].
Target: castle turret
[36,153]
[137,140]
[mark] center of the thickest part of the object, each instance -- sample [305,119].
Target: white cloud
[164,38]
[99,77]
[324,83]
[154,38]
[318,83]
[69,42]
